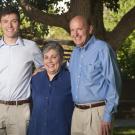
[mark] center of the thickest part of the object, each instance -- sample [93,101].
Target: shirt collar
[1,42]
[90,42]
[59,73]
[18,42]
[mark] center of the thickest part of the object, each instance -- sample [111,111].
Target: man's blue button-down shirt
[95,75]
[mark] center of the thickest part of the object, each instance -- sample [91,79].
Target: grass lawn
[124,131]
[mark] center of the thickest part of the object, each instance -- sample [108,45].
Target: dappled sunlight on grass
[124,131]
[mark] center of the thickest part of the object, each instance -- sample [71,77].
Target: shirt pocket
[94,67]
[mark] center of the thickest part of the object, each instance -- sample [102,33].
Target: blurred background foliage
[126,53]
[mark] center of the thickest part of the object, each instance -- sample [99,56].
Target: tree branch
[123,29]
[42,17]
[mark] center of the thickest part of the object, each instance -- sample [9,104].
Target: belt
[19,102]
[90,106]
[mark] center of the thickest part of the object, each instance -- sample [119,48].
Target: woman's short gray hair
[55,46]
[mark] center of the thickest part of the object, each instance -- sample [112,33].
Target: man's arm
[38,60]
[113,80]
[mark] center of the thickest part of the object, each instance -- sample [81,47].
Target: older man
[95,81]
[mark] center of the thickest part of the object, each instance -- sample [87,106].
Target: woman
[51,95]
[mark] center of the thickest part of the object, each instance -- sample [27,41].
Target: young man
[95,81]
[16,58]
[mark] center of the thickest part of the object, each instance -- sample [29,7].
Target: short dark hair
[9,10]
[55,46]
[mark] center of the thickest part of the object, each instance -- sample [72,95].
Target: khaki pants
[87,122]
[14,119]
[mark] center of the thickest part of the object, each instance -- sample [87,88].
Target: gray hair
[55,46]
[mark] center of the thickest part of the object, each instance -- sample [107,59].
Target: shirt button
[45,110]
[46,98]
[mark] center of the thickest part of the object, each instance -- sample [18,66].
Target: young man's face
[10,25]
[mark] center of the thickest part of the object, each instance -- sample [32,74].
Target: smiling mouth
[10,31]
[50,66]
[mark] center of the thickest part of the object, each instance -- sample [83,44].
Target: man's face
[79,31]
[9,24]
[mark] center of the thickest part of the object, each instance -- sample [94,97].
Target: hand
[105,128]
[38,70]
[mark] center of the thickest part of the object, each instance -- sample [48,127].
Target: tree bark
[80,7]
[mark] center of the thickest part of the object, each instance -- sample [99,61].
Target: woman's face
[52,61]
